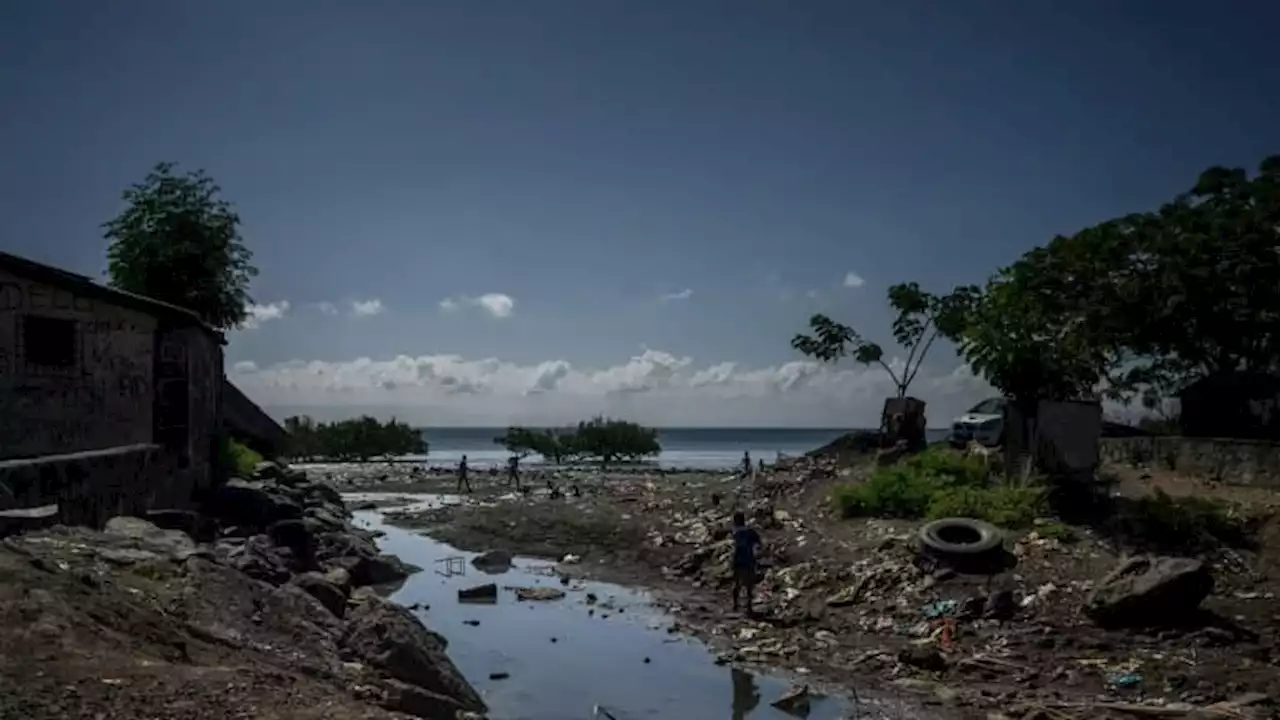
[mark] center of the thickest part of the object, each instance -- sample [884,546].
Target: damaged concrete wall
[75,371]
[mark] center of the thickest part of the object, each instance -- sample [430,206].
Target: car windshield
[992,406]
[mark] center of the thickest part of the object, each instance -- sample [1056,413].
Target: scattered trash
[488,591]
[450,566]
[472,623]
[1126,680]
[571,559]
[935,610]
[538,593]
[499,675]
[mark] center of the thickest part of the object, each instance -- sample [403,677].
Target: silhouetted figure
[513,471]
[745,542]
[760,464]
[462,475]
[746,465]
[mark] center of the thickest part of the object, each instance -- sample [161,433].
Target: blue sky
[575,161]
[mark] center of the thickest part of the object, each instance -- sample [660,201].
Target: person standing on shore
[462,475]
[513,470]
[745,542]
[746,465]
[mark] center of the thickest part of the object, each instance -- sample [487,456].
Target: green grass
[1183,522]
[240,459]
[942,483]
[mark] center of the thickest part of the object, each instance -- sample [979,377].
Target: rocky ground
[849,602]
[264,607]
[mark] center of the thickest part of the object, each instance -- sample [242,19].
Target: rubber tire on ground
[989,538]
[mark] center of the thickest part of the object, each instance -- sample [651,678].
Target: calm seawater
[681,447]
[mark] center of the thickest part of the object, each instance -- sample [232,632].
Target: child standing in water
[745,542]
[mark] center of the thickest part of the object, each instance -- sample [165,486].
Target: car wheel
[960,537]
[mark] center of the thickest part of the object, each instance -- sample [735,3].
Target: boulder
[1149,590]
[140,534]
[379,570]
[297,536]
[200,528]
[494,561]
[339,578]
[256,557]
[252,504]
[331,596]
[389,638]
[268,470]
[413,700]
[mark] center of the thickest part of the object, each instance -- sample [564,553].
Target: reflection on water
[746,696]
[563,657]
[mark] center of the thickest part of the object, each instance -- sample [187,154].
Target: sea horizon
[704,447]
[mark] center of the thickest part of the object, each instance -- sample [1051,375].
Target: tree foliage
[610,440]
[177,241]
[600,438]
[361,438]
[1147,303]
[554,445]
[921,318]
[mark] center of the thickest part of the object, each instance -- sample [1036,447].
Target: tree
[921,318]
[359,439]
[553,445]
[611,440]
[1147,303]
[177,241]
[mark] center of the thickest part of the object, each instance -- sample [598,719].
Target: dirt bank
[263,608]
[847,601]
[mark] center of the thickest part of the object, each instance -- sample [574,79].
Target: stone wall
[75,371]
[1239,462]
[92,486]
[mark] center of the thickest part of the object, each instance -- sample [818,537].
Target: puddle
[564,657]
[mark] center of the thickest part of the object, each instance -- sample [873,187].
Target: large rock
[140,534]
[297,536]
[379,570]
[1149,590]
[494,561]
[416,701]
[332,596]
[388,637]
[199,527]
[257,557]
[252,504]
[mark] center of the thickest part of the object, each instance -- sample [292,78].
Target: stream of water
[562,658]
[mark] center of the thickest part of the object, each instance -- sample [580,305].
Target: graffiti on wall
[28,297]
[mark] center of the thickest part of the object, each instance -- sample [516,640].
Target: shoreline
[666,537]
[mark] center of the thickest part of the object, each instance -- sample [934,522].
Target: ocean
[681,447]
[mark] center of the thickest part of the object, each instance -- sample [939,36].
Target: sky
[492,212]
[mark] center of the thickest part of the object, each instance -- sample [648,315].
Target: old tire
[960,538]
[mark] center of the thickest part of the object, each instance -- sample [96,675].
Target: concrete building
[109,401]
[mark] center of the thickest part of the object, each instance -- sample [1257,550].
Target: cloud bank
[498,305]
[259,314]
[654,387]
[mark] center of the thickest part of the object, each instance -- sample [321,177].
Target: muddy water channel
[559,659]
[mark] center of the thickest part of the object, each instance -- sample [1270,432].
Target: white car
[984,423]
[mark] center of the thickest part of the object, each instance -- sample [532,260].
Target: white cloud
[327,307]
[684,294]
[259,314]
[654,387]
[498,305]
[366,308]
[853,280]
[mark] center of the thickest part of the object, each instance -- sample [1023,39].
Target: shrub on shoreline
[942,483]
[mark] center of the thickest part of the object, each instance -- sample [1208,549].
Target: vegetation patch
[941,483]
[601,438]
[239,459]
[1183,523]
[361,438]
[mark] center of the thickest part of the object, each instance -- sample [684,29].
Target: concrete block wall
[1237,462]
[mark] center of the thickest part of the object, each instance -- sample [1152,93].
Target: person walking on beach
[462,475]
[513,470]
[746,465]
[745,542]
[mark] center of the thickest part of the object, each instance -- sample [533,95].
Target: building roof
[84,285]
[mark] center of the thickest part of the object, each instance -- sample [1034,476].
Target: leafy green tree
[554,445]
[361,439]
[1147,303]
[177,241]
[921,318]
[611,440]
